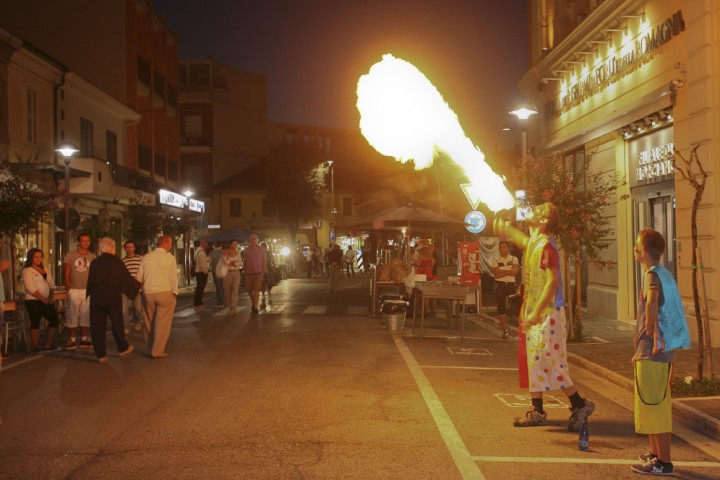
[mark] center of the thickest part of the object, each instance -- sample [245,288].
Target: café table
[451,293]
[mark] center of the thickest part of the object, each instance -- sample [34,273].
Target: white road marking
[465,463]
[601,340]
[226,311]
[482,352]
[586,460]
[316,310]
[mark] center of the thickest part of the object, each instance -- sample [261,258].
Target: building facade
[629,83]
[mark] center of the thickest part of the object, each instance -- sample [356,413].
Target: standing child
[661,327]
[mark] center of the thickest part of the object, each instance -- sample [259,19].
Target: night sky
[313,52]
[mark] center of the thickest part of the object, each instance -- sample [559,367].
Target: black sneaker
[648,457]
[70,345]
[656,467]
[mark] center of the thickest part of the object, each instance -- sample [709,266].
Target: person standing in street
[334,261]
[201,274]
[159,279]
[658,298]
[108,281]
[350,261]
[544,366]
[133,317]
[505,268]
[255,266]
[215,256]
[76,267]
[231,283]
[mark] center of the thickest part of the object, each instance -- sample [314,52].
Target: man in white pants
[76,268]
[159,279]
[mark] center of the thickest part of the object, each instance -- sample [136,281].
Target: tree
[295,180]
[693,172]
[582,198]
[145,221]
[22,203]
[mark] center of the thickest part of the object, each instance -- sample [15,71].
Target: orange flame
[403,115]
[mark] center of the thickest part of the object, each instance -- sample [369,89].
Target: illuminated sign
[616,66]
[655,162]
[172,199]
[197,206]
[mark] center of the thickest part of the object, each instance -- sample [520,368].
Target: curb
[692,418]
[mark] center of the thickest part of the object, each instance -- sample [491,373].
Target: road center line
[585,460]
[459,452]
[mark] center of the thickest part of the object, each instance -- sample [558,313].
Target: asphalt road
[312,388]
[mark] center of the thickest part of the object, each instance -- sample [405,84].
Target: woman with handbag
[39,303]
[232,259]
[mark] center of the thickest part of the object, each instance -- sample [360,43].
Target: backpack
[674,333]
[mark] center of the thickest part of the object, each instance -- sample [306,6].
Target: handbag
[221,269]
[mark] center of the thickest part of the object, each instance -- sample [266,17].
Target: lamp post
[67,151]
[523,114]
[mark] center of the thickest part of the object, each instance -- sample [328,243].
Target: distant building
[223,123]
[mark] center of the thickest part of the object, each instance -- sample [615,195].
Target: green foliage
[102,225]
[295,179]
[177,225]
[694,387]
[582,199]
[22,203]
[145,220]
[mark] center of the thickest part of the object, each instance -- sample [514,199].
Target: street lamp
[67,150]
[333,210]
[523,114]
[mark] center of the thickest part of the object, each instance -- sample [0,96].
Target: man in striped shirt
[133,318]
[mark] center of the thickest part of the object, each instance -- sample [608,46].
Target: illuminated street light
[67,150]
[523,114]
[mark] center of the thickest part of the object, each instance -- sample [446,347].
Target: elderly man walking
[158,276]
[107,282]
[254,267]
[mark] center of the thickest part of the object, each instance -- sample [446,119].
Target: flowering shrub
[581,198]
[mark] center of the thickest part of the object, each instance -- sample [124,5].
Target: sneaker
[648,457]
[532,418]
[87,343]
[505,334]
[654,468]
[255,310]
[579,415]
[127,352]
[69,345]
[102,359]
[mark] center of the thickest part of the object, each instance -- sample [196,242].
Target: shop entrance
[655,208]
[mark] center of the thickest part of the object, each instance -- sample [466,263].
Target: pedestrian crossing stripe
[316,309]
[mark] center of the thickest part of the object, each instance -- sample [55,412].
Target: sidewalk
[607,351]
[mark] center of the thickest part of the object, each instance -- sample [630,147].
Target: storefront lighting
[551,79]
